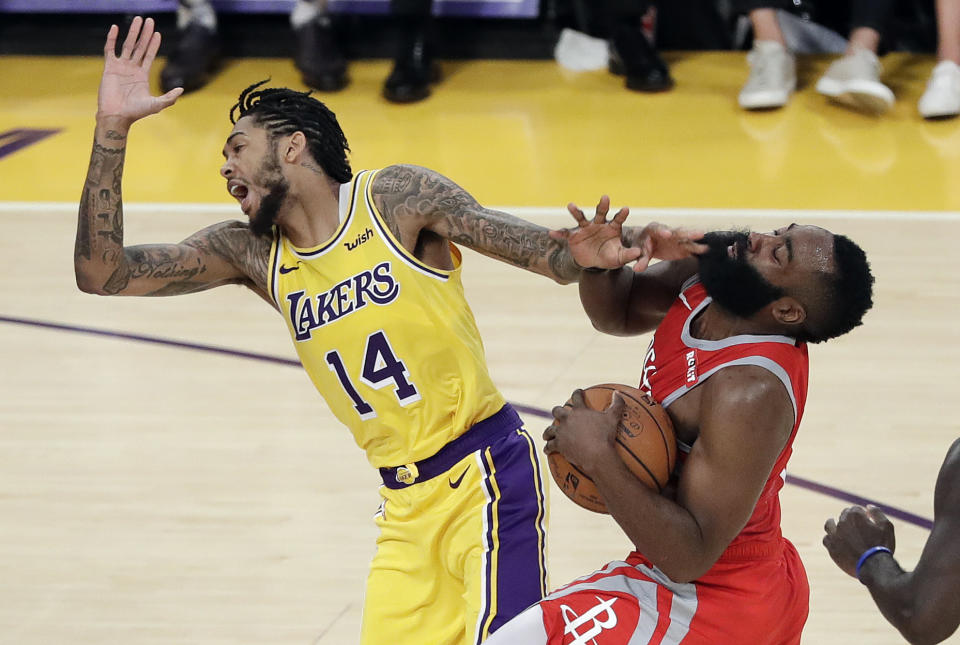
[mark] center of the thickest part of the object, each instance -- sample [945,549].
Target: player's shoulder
[235,242]
[748,392]
[402,178]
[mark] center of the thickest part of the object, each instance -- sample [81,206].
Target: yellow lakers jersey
[389,341]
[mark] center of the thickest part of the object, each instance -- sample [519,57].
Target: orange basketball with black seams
[645,442]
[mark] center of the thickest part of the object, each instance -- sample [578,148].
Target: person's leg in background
[318,55]
[942,97]
[414,68]
[631,53]
[773,68]
[197,49]
[854,79]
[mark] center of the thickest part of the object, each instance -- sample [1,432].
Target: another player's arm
[923,604]
[622,302]
[746,420]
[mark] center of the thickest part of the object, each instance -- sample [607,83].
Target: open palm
[125,85]
[605,244]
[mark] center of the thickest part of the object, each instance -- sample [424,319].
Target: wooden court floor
[167,475]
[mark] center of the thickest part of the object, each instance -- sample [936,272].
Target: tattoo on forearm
[100,221]
[82,247]
[404,191]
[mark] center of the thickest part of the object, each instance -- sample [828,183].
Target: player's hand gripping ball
[645,441]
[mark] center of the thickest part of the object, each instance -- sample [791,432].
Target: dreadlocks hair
[849,293]
[284,111]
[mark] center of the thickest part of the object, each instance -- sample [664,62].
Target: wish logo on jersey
[590,619]
[353,294]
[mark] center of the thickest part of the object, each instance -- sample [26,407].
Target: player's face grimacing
[746,271]
[254,175]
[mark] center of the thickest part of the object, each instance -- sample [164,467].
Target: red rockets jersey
[676,362]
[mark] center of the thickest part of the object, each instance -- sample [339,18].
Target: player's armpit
[225,253]
[412,198]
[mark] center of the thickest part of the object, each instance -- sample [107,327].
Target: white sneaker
[942,97]
[854,81]
[773,76]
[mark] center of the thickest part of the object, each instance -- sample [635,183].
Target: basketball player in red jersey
[729,363]
[923,604]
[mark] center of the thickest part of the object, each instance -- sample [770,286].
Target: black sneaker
[193,60]
[318,56]
[632,55]
[413,72]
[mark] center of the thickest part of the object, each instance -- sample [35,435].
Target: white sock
[200,11]
[307,11]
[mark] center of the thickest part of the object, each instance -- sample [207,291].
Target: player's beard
[733,283]
[276,186]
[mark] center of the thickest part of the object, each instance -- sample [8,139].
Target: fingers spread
[621,215]
[110,48]
[603,206]
[151,51]
[577,214]
[131,38]
[143,42]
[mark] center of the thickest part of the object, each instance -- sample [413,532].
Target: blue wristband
[869,552]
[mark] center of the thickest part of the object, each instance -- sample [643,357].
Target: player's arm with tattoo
[225,253]
[412,198]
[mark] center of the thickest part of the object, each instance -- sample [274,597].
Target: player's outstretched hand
[125,85]
[662,242]
[858,529]
[604,244]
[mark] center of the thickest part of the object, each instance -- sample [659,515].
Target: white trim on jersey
[395,247]
[759,361]
[713,345]
[347,206]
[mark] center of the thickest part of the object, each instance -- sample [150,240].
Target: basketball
[645,442]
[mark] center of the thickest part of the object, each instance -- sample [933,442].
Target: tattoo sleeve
[98,254]
[225,253]
[413,194]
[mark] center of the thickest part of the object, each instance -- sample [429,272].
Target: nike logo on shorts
[456,484]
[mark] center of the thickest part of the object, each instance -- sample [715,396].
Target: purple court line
[213,349]
[801,482]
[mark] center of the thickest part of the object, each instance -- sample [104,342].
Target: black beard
[261,224]
[732,282]
[270,176]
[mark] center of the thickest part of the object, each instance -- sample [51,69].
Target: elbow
[684,571]
[610,327]
[919,629]
[88,284]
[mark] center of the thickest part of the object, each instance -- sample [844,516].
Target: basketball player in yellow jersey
[363,270]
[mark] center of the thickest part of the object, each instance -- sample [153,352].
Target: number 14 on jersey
[380,368]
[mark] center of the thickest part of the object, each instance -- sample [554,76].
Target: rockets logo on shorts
[590,619]
[596,620]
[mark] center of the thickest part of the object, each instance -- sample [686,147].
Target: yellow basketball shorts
[462,548]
